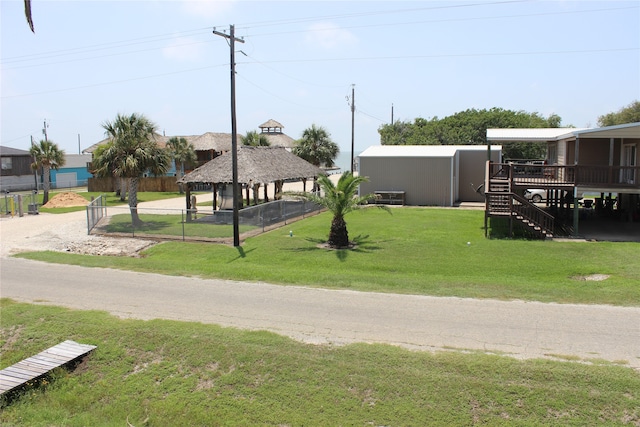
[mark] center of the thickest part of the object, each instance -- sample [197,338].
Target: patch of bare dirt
[592,277]
[66,200]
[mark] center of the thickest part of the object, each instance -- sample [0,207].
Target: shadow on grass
[361,244]
[241,254]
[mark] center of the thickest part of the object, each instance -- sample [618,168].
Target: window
[552,154]
[7,163]
[630,160]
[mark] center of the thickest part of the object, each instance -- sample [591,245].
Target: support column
[188,195]
[576,212]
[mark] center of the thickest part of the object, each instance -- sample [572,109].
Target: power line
[201,31]
[370,58]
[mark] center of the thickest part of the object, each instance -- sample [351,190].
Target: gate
[95,211]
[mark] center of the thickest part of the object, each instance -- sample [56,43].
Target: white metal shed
[429,175]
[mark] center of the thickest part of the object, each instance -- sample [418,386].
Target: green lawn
[171,225]
[413,250]
[166,373]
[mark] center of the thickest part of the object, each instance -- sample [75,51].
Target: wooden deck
[36,366]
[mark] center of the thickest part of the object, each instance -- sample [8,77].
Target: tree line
[469,127]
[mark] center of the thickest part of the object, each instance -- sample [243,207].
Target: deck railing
[531,175]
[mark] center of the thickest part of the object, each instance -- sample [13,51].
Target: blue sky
[90,60]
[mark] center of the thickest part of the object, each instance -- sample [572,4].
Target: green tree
[133,152]
[339,199]
[183,153]
[255,139]
[47,155]
[628,114]
[469,127]
[316,147]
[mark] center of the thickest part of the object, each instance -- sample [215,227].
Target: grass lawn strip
[175,373]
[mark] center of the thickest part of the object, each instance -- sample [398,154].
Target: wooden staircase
[501,201]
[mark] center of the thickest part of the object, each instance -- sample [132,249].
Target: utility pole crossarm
[227,36]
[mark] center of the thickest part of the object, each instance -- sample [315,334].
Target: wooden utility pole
[353,111]
[234,133]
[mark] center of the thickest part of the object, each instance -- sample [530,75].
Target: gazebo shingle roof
[257,164]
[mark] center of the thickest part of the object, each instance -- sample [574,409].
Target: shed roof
[420,150]
[628,130]
[530,134]
[256,164]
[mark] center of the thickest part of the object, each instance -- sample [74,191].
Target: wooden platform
[33,367]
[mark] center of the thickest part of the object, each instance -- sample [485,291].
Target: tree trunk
[46,177]
[338,235]
[133,202]
[180,174]
[123,189]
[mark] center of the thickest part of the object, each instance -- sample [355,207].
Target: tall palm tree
[316,147]
[339,199]
[133,152]
[120,183]
[183,152]
[47,155]
[255,139]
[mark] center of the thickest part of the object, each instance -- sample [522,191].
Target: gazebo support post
[214,187]
[247,195]
[256,193]
[266,196]
[304,185]
[188,194]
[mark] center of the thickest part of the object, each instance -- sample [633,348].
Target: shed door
[66,180]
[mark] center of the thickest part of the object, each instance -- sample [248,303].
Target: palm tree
[255,139]
[28,15]
[183,153]
[47,156]
[316,147]
[120,183]
[339,199]
[133,152]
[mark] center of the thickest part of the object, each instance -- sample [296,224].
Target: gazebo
[257,166]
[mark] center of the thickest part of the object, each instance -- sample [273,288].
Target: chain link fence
[195,224]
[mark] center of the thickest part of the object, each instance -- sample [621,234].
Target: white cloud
[207,8]
[329,36]
[184,49]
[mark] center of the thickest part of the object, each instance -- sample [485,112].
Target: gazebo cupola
[271,127]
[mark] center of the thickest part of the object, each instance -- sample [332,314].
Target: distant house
[426,175]
[273,131]
[16,173]
[207,146]
[74,173]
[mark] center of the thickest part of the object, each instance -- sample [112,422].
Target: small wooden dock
[36,366]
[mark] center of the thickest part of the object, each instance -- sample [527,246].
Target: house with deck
[602,163]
